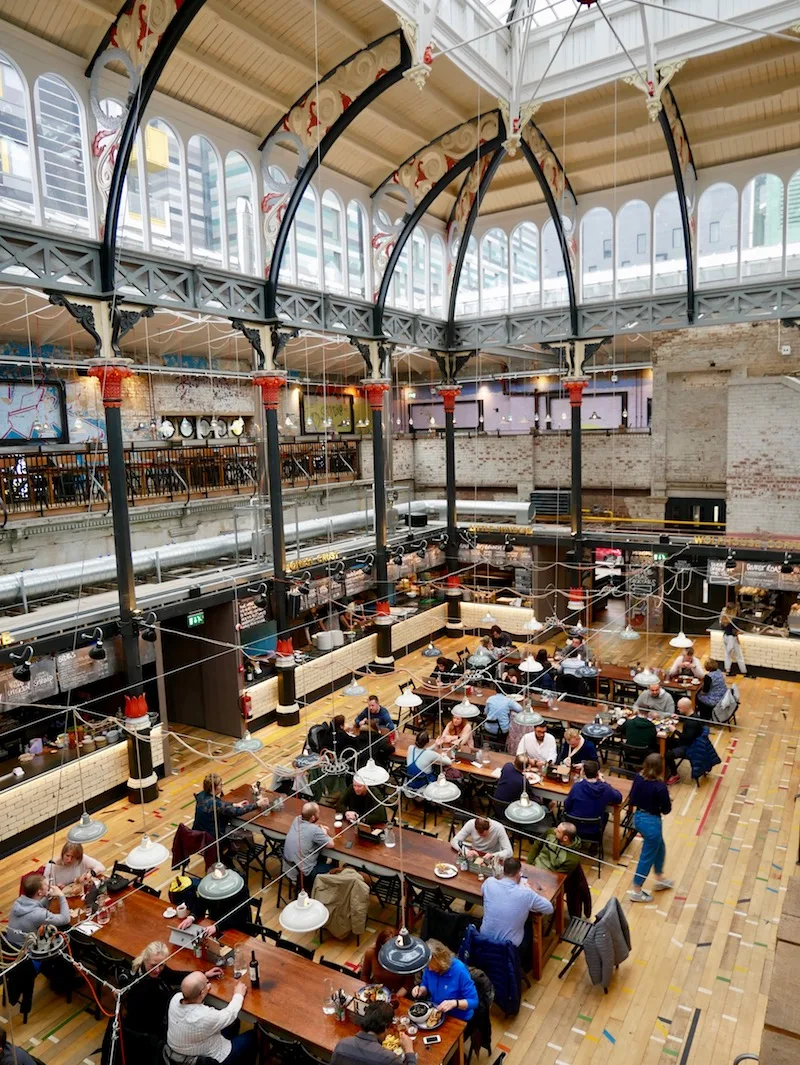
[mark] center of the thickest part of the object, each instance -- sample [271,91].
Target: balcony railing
[45,480]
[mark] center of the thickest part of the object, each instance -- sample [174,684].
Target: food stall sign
[41,684]
[6,639]
[195,619]
[766,575]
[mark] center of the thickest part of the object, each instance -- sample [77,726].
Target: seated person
[479,835]
[32,909]
[656,700]
[223,913]
[360,803]
[544,681]
[712,689]
[559,851]
[487,646]
[212,814]
[687,664]
[305,842]
[590,795]
[340,737]
[539,747]
[372,972]
[73,868]
[194,1029]
[10,1054]
[576,749]
[508,903]
[639,731]
[500,640]
[510,677]
[446,983]
[366,1046]
[375,713]
[146,1001]
[457,734]
[421,759]
[371,743]
[445,669]
[677,744]
[575,647]
[510,784]
[498,711]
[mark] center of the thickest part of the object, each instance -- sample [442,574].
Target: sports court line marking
[609,1036]
[690,1037]
[686,1009]
[510,1035]
[578,1031]
[658,1039]
[555,1046]
[727,1017]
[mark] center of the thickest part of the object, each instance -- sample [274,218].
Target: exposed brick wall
[697,427]
[763,469]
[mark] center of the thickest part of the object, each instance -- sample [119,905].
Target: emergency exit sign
[193,620]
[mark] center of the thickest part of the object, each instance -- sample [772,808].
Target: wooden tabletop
[561,710]
[497,760]
[289,998]
[419,853]
[622,674]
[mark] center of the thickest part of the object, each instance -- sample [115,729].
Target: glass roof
[545,12]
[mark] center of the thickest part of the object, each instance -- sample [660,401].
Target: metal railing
[40,481]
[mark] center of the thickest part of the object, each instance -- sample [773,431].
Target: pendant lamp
[681,640]
[488,618]
[248,743]
[86,830]
[220,883]
[408,698]
[404,953]
[354,688]
[304,914]
[442,790]
[372,774]
[532,625]
[629,633]
[147,854]
[466,709]
[531,665]
[646,678]
[431,651]
[525,811]
[480,659]
[528,717]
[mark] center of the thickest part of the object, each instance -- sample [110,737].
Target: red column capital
[270,385]
[449,394]
[111,373]
[575,389]
[375,390]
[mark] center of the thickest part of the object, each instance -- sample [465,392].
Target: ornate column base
[384,659]
[288,710]
[287,715]
[142,791]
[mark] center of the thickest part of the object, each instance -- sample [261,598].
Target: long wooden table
[553,789]
[419,855]
[291,989]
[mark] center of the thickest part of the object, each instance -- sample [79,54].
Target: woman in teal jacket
[447,983]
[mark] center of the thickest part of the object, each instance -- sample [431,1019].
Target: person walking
[730,642]
[650,798]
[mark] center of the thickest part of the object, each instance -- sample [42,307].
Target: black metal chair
[337,967]
[255,927]
[388,891]
[296,948]
[246,853]
[590,830]
[575,933]
[632,757]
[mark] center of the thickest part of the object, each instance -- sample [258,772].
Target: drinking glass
[485,759]
[103,916]
[328,1001]
[239,962]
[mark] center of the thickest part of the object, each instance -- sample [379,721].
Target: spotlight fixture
[148,627]
[614,378]
[22,671]
[594,416]
[397,558]
[730,561]
[97,651]
[261,596]
[431,421]
[547,419]
[563,416]
[422,550]
[508,545]
[786,566]
[37,426]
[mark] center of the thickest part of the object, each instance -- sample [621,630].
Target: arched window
[357,249]
[437,287]
[554,275]
[525,266]
[240,208]
[468,297]
[131,216]
[718,234]
[419,270]
[205,212]
[494,272]
[670,253]
[59,136]
[306,236]
[633,248]
[762,226]
[333,239]
[401,279]
[793,224]
[16,177]
[597,254]
[164,188]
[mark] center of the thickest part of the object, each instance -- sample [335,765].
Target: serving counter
[781,653]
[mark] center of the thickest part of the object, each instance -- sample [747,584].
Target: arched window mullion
[240,213]
[18,195]
[166,205]
[205,183]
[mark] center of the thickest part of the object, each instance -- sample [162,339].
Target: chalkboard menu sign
[75,668]
[41,685]
[251,615]
[765,575]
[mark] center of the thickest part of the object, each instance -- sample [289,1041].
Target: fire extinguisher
[247,705]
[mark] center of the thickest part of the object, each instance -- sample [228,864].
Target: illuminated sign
[307,563]
[195,619]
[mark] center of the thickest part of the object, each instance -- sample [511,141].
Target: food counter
[780,653]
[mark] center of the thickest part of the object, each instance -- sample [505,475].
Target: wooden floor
[696,982]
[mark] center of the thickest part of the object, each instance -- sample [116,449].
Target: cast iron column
[288,711]
[142,783]
[575,389]
[270,384]
[375,390]
[448,394]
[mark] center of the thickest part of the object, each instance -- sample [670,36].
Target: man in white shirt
[507,903]
[539,747]
[482,836]
[688,664]
[195,1029]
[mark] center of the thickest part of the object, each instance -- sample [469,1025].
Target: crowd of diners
[168,1005]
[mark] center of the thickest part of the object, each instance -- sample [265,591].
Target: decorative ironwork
[450,364]
[83,314]
[654,90]
[311,126]
[419,36]
[111,373]
[377,355]
[253,338]
[122,321]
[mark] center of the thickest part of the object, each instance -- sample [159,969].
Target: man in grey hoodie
[31,909]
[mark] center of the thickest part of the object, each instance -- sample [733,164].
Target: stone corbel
[419,37]
[516,117]
[653,89]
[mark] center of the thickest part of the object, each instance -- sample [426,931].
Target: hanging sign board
[765,575]
[41,685]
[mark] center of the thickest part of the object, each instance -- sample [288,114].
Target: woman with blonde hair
[146,1002]
[72,867]
[650,797]
[446,982]
[712,690]
[212,813]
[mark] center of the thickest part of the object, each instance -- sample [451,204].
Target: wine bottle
[253,970]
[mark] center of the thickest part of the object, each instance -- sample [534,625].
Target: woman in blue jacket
[447,983]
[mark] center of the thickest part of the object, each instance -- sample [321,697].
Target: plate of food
[370,993]
[435,1019]
[392,1042]
[445,871]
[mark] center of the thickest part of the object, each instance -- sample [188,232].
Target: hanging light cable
[404,953]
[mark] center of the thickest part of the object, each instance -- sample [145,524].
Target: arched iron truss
[683,170]
[311,126]
[420,180]
[129,40]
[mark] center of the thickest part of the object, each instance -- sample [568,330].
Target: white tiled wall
[771,652]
